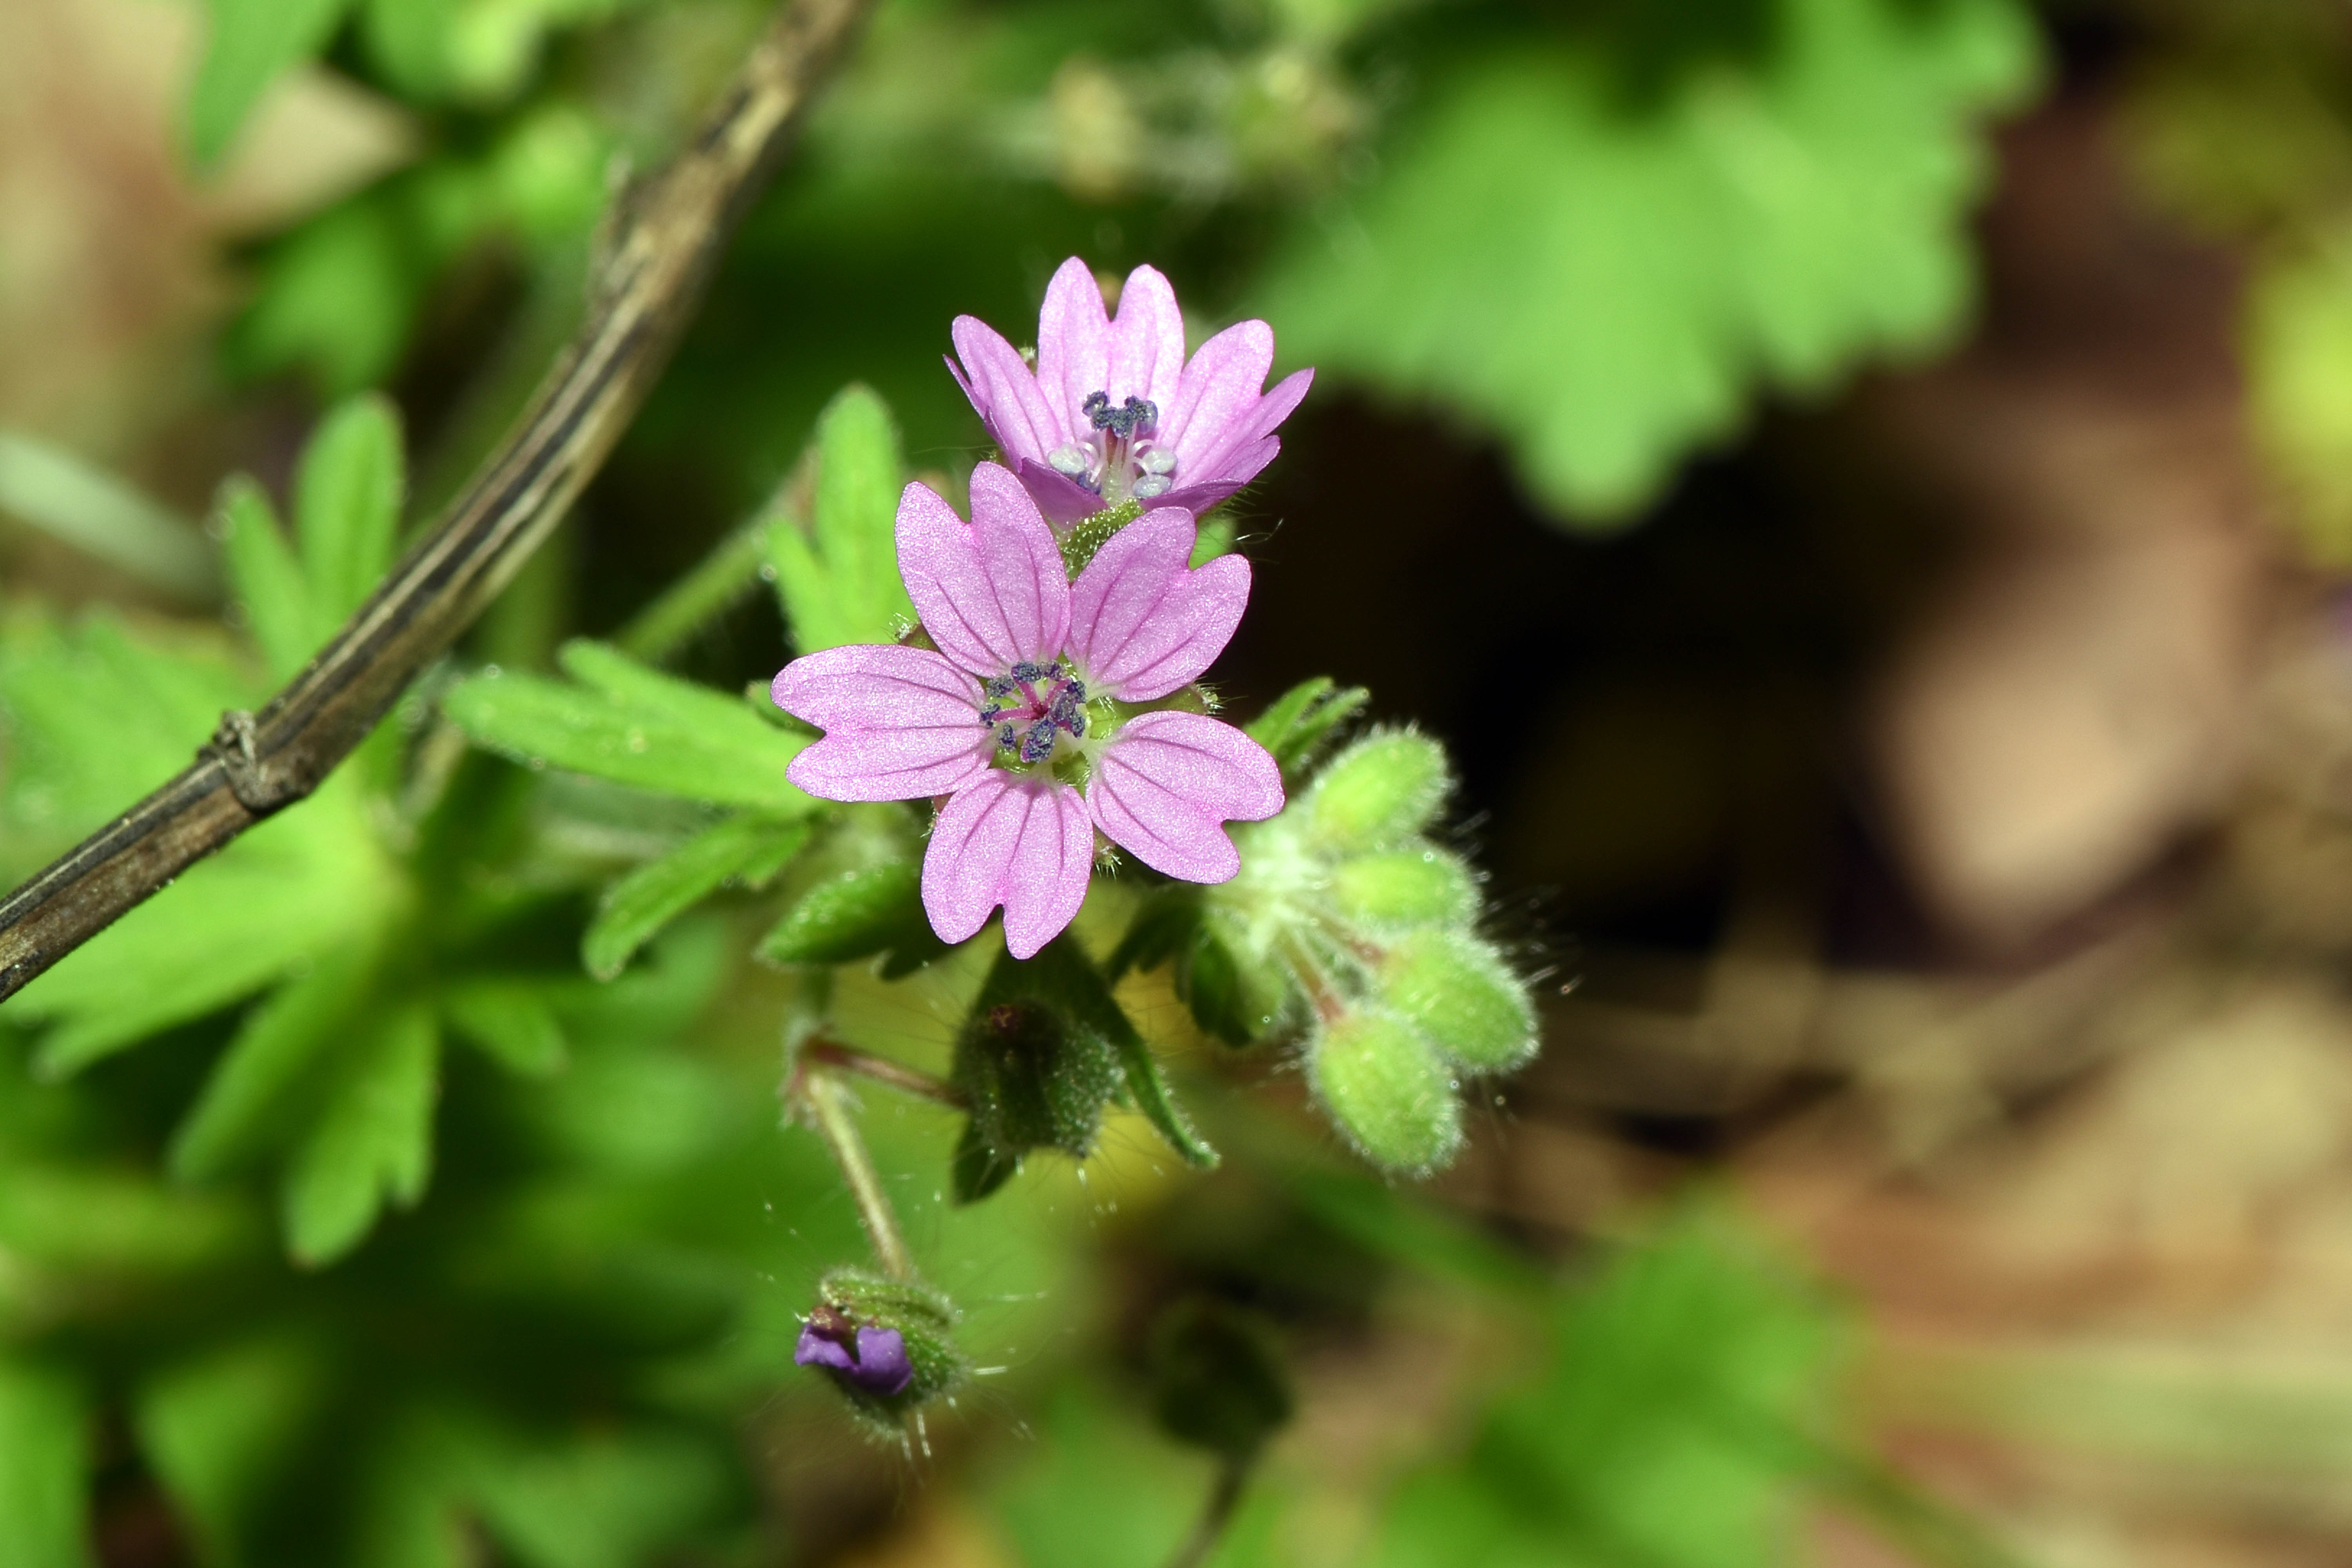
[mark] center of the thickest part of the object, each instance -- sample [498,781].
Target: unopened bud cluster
[1348,919]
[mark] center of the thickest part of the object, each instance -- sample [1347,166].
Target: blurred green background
[1860,485]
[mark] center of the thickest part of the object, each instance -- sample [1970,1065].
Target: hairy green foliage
[838,581]
[749,849]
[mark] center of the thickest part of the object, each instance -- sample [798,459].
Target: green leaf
[607,1499]
[45,1461]
[839,581]
[98,1223]
[348,494]
[1600,282]
[249,45]
[222,1430]
[269,583]
[639,727]
[333,300]
[510,1021]
[1300,721]
[375,1141]
[749,848]
[854,915]
[105,517]
[247,1096]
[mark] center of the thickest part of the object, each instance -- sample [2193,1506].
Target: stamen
[1073,461]
[1125,420]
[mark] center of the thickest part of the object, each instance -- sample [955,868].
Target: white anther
[1075,461]
[1156,459]
[1151,485]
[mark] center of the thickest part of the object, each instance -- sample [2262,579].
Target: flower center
[1120,460]
[1030,707]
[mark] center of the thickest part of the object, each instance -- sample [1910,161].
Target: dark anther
[1123,421]
[1038,743]
[1025,670]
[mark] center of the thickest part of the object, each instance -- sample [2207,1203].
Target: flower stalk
[821,1093]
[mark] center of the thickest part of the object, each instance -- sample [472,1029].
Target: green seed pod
[1388,1091]
[905,1332]
[1405,888]
[1217,1377]
[1032,1078]
[1382,789]
[1462,996]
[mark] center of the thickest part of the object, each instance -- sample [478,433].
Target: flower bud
[1218,1380]
[1387,1091]
[1032,1078]
[887,1345]
[1462,996]
[1380,790]
[1402,888]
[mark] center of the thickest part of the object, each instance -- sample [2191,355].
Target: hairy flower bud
[887,1345]
[1404,889]
[1383,788]
[1462,996]
[1388,1091]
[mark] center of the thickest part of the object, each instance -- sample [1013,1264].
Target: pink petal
[1058,495]
[1220,391]
[1147,341]
[1169,781]
[1073,340]
[900,723]
[1142,625]
[1198,499]
[1004,392]
[992,593]
[1024,842]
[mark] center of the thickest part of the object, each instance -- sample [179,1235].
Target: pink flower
[1113,411]
[1028,694]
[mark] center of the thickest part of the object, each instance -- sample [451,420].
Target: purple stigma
[871,1361]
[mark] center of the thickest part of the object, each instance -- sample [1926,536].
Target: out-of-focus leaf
[348,495]
[113,1223]
[274,1052]
[607,1501]
[335,299]
[222,1431]
[104,516]
[2299,367]
[269,580]
[509,1020]
[839,581]
[854,915]
[249,44]
[751,848]
[45,1458]
[375,1141]
[633,726]
[1665,1432]
[1600,282]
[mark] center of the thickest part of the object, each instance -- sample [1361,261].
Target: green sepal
[925,1320]
[978,1170]
[749,848]
[1402,889]
[1217,1377]
[1233,996]
[1387,1090]
[1462,996]
[1302,721]
[854,915]
[1382,789]
[1089,534]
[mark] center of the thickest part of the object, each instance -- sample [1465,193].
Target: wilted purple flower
[1028,696]
[1113,411]
[872,1360]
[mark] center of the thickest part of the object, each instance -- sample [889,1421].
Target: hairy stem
[723,579]
[660,243]
[882,1070]
[821,1090]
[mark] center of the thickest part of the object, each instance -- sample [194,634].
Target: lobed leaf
[838,583]
[347,500]
[46,1455]
[749,848]
[510,1021]
[269,580]
[854,915]
[373,1143]
[633,726]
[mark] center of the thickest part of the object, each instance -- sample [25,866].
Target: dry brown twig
[664,236]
